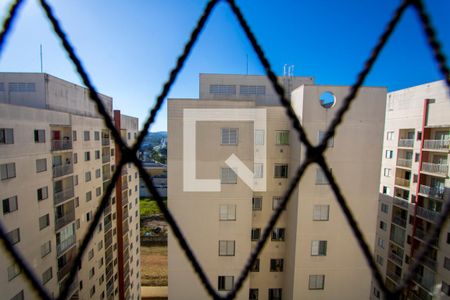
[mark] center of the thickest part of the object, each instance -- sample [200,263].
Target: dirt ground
[154,265]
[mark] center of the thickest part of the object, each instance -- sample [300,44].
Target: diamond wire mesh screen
[314,154]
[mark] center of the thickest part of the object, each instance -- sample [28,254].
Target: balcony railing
[65,269]
[64,220]
[433,192]
[106,158]
[124,184]
[393,276]
[422,234]
[399,221]
[65,244]
[62,170]
[401,202]
[61,145]
[395,258]
[402,182]
[427,214]
[404,162]
[63,195]
[106,176]
[441,169]
[124,171]
[409,143]
[105,141]
[72,287]
[436,144]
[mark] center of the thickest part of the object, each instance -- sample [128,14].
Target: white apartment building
[414,184]
[56,159]
[312,253]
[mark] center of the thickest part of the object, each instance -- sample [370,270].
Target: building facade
[414,184]
[311,253]
[56,159]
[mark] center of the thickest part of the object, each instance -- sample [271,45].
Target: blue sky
[129,47]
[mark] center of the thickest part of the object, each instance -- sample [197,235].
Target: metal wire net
[314,154]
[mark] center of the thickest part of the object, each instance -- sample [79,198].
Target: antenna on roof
[247,63]
[288,73]
[42,67]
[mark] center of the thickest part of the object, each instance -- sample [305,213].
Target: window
[13,271]
[259,137]
[87,136]
[91,254]
[278,234]
[281,171]
[87,156]
[389,154]
[255,267]
[447,263]
[41,165]
[92,291]
[44,221]
[87,176]
[276,201]
[229,136]
[316,282]
[91,272]
[98,173]
[225,283]
[275,294]
[252,90]
[100,245]
[8,171]
[226,248]
[39,136]
[387,172]
[129,135]
[75,158]
[390,135]
[419,135]
[6,136]
[96,135]
[276,265]
[88,216]
[98,191]
[320,137]
[445,288]
[97,154]
[282,137]
[227,212]
[14,236]
[384,208]
[42,193]
[47,275]
[21,87]
[46,248]
[318,248]
[9,205]
[379,260]
[18,296]
[376,293]
[255,234]
[222,89]
[321,212]
[74,135]
[88,196]
[386,190]
[380,243]
[258,170]
[321,179]
[228,176]
[253,294]
[256,203]
[383,226]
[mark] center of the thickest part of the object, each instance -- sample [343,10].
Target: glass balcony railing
[65,244]
[62,170]
[399,221]
[404,162]
[402,182]
[58,145]
[63,195]
[428,214]
[431,191]
[64,220]
[436,144]
[396,258]
[439,169]
[406,143]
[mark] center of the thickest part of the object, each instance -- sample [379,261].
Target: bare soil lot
[154,265]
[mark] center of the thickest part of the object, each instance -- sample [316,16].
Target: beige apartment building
[311,253]
[56,160]
[414,184]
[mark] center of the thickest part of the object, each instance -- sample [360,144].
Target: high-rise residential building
[222,210]
[414,184]
[56,160]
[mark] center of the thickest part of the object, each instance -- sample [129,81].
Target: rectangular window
[253,294]
[87,135]
[229,136]
[386,190]
[6,136]
[379,260]
[226,248]
[445,288]
[276,265]
[39,136]
[321,212]
[87,176]
[387,172]
[419,135]
[318,248]
[92,290]
[259,137]
[88,196]
[74,135]
[75,158]
[252,90]
[416,157]
[21,87]
[321,179]
[44,221]
[275,294]
[276,201]
[13,271]
[222,89]
[282,137]
[91,254]
[47,275]
[8,171]
[316,282]
[97,154]
[87,156]
[383,226]
[9,205]
[384,208]
[278,234]
[227,212]
[256,203]
[88,216]
[41,165]
[320,137]
[389,154]
[18,296]
[98,173]
[42,193]
[14,236]
[98,191]
[447,263]
[258,170]
[281,171]
[389,135]
[256,233]
[225,283]
[255,267]
[380,243]
[46,248]
[97,135]
[228,176]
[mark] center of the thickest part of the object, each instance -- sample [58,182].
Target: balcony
[105,140]
[106,176]
[63,195]
[58,145]
[406,143]
[63,271]
[124,171]
[124,184]
[439,145]
[62,170]
[396,278]
[106,158]
[72,287]
[433,192]
[422,235]
[399,221]
[404,162]
[65,244]
[64,220]
[396,258]
[427,214]
[402,182]
[401,202]
[438,169]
